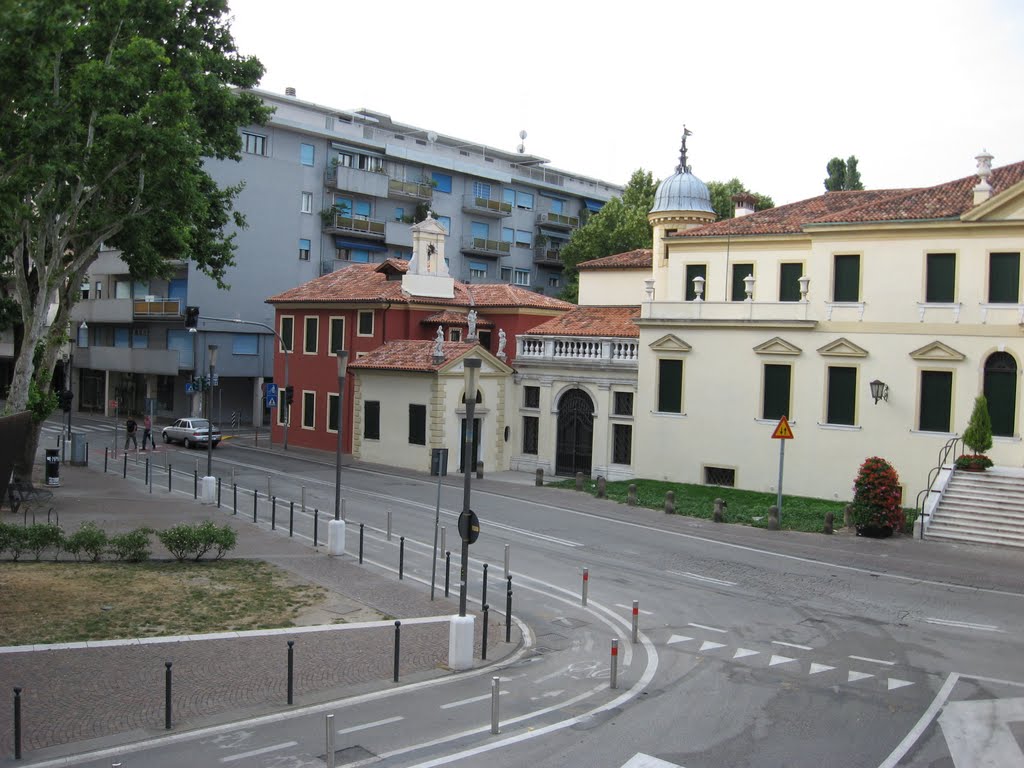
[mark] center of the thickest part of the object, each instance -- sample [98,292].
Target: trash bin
[52,466]
[78,449]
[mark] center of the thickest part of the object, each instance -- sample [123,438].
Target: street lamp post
[471,367]
[212,348]
[342,367]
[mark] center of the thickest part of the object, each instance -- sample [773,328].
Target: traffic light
[191,317]
[65,399]
[289,395]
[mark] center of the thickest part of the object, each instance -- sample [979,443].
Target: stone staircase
[981,508]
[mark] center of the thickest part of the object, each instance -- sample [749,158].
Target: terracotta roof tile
[592,321]
[450,317]
[637,259]
[410,356]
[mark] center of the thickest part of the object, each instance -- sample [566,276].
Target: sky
[770,90]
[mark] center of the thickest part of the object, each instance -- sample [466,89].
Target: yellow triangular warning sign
[782,430]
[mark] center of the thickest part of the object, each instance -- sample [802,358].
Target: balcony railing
[549,219]
[157,309]
[371,183]
[756,311]
[411,190]
[563,349]
[485,207]
[366,227]
[161,361]
[398,233]
[547,257]
[483,247]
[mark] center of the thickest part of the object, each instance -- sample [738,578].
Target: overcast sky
[771,90]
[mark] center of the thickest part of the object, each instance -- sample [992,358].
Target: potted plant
[977,437]
[877,510]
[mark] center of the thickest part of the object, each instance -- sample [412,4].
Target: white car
[191,433]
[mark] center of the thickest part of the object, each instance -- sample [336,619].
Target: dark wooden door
[575,441]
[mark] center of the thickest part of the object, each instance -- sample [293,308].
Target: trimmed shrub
[978,435]
[194,541]
[876,496]
[12,539]
[132,547]
[42,536]
[89,541]
[225,539]
[181,541]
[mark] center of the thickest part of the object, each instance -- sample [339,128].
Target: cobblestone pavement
[72,696]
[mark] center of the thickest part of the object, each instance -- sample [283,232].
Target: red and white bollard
[586,584]
[615,663]
[636,620]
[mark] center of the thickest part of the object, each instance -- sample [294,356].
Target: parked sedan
[191,432]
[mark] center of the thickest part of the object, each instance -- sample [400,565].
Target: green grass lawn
[799,513]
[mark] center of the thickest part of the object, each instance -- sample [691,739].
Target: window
[846,276]
[777,382]
[336,338]
[692,271]
[84,288]
[446,222]
[530,434]
[506,274]
[83,338]
[623,404]
[344,159]
[789,281]
[508,235]
[308,409]
[140,338]
[523,239]
[739,274]
[622,443]
[554,282]
[940,281]
[936,401]
[371,163]
[399,214]
[332,412]
[670,386]
[287,332]
[181,342]
[417,424]
[306,154]
[1004,278]
[477,270]
[310,334]
[343,205]
[524,200]
[509,196]
[481,190]
[557,206]
[521,277]
[842,395]
[455,334]
[361,210]
[365,322]
[371,420]
[481,230]
[254,144]
[306,206]
[121,338]
[245,344]
[355,255]
[304,249]
[531,397]
[442,182]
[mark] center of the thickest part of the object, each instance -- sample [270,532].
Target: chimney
[289,91]
[746,203]
[983,191]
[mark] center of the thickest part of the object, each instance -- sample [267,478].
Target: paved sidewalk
[73,697]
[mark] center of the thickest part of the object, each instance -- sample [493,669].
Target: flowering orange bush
[876,496]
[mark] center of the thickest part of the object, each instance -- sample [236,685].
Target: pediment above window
[842,347]
[777,346]
[670,343]
[938,351]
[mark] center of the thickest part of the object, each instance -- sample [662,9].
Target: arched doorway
[1000,388]
[575,442]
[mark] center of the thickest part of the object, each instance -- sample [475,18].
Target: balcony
[398,233]
[544,256]
[561,350]
[481,206]
[479,246]
[557,220]
[159,361]
[103,311]
[409,190]
[710,312]
[371,183]
[152,308]
[339,224]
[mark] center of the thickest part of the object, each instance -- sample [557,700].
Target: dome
[682,191]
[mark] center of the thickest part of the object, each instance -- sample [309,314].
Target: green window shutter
[417,424]
[936,398]
[842,395]
[670,386]
[941,278]
[1004,278]
[332,412]
[847,278]
[371,420]
[789,286]
[739,288]
[692,270]
[776,391]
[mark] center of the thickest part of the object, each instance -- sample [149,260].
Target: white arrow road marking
[978,735]
[640,760]
[705,626]
[741,652]
[547,695]
[894,683]
[679,639]
[708,645]
[779,660]
[816,668]
[254,752]
[374,724]
[853,677]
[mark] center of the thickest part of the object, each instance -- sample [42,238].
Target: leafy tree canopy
[721,197]
[620,226]
[843,174]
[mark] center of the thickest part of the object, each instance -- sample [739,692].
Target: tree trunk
[24,463]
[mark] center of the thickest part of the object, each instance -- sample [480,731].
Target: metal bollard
[615,663]
[508,613]
[269,491]
[167,695]
[483,594]
[106,456]
[234,494]
[506,561]
[636,620]
[303,500]
[218,493]
[255,496]
[443,532]
[401,558]
[291,672]
[495,693]
[273,514]
[389,523]
[360,543]
[149,480]
[17,723]
[447,571]
[330,741]
[87,453]
[169,475]
[124,474]
[483,640]
[195,484]
[316,526]
[586,585]
[398,642]
[291,519]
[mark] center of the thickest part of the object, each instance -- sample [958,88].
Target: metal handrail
[933,475]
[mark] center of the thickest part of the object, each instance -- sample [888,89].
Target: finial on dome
[683,167]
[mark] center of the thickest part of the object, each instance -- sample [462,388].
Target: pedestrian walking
[147,432]
[130,428]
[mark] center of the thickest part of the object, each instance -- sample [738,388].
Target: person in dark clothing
[130,428]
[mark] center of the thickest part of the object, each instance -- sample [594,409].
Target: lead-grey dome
[682,191]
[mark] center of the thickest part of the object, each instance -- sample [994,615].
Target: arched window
[1000,389]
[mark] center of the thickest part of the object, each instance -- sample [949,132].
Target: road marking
[853,677]
[474,700]
[262,751]
[895,683]
[679,639]
[708,579]
[978,733]
[874,661]
[640,760]
[816,668]
[705,626]
[779,660]
[708,645]
[792,645]
[630,608]
[365,726]
[965,625]
[741,652]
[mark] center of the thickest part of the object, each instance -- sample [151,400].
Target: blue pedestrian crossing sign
[271,393]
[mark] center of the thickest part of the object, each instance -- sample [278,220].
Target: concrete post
[460,642]
[336,538]
[479,470]
[829,520]
[773,518]
[719,513]
[539,481]
[670,502]
[579,481]
[631,495]
[848,516]
[602,487]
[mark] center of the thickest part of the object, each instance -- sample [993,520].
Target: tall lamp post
[342,367]
[212,348]
[471,367]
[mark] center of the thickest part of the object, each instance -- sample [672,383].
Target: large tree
[620,226]
[109,108]
[843,174]
[723,191]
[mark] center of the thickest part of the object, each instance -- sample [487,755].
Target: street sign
[469,527]
[782,430]
[216,379]
[271,400]
[190,387]
[439,462]
[113,403]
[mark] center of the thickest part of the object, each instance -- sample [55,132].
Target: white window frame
[306,202]
[359,324]
[518,279]
[305,335]
[280,329]
[332,347]
[312,425]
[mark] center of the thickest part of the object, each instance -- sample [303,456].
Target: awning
[552,196]
[555,233]
[593,205]
[340,242]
